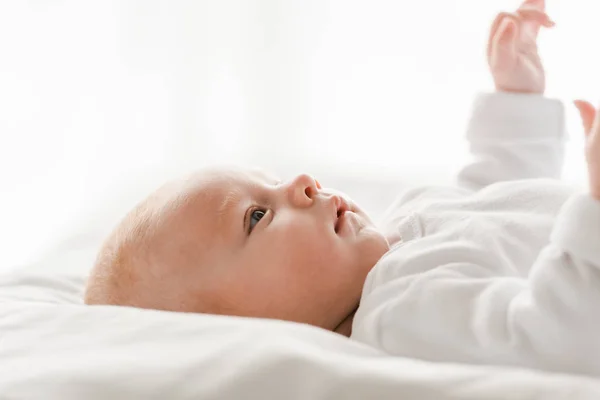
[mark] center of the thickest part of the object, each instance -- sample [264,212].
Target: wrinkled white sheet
[51,351]
[53,347]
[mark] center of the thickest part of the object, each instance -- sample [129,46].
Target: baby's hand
[512,49]
[591,125]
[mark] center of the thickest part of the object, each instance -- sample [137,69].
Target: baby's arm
[515,133]
[512,137]
[475,311]
[468,312]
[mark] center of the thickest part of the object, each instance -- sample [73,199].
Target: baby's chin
[363,219]
[368,226]
[372,246]
[369,232]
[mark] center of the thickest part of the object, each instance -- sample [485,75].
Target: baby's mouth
[338,221]
[341,209]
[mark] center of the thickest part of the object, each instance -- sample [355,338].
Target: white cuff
[516,116]
[577,228]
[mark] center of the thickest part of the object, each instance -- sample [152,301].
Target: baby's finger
[493,29]
[537,4]
[532,21]
[504,28]
[588,114]
[533,15]
[594,133]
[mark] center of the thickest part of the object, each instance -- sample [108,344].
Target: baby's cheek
[317,251]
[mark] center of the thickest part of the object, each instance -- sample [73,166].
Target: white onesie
[502,269]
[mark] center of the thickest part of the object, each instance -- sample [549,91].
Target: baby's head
[240,242]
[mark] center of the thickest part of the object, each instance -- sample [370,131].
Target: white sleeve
[513,136]
[466,313]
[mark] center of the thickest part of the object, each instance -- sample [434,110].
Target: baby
[504,268]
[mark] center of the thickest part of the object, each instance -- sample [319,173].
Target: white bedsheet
[75,352]
[53,347]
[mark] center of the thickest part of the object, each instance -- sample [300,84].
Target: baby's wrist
[519,91]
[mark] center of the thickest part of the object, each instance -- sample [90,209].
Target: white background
[94,91]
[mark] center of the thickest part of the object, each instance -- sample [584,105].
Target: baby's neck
[345,327]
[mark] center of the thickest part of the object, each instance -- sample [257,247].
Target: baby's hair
[125,262]
[138,266]
[116,274]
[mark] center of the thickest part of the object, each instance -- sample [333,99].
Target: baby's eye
[255,217]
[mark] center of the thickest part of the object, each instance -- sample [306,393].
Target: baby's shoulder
[419,198]
[414,201]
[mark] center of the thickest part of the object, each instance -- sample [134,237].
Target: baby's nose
[302,190]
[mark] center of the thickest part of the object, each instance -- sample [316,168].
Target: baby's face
[245,243]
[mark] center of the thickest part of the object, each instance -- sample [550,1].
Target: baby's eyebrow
[229,199]
[267,177]
[227,208]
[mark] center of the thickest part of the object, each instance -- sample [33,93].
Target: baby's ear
[588,114]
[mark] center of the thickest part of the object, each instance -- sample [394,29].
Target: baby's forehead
[236,176]
[217,184]
[263,174]
[215,196]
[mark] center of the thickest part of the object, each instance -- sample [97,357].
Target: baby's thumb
[588,114]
